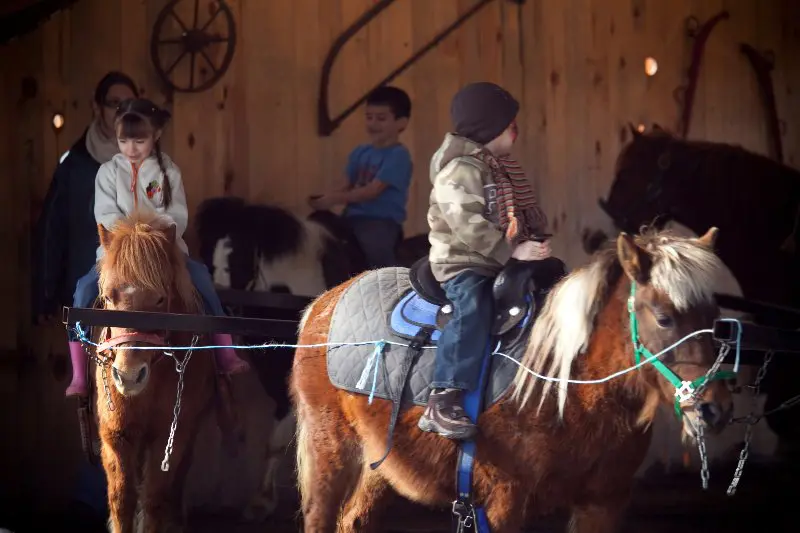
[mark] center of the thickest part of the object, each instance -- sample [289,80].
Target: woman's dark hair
[140,118]
[109,80]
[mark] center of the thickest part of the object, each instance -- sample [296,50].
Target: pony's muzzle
[131,381]
[715,416]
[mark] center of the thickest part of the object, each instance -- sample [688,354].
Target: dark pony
[754,200]
[751,198]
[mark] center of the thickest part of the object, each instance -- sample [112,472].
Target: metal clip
[465,513]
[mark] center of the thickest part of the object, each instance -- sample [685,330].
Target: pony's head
[632,301]
[671,296]
[142,269]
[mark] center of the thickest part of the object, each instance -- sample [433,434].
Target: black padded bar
[756,337]
[138,320]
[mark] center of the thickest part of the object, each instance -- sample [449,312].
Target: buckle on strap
[465,513]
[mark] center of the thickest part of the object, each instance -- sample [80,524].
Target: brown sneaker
[445,415]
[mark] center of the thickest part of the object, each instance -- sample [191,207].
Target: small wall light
[58,121]
[650,66]
[640,128]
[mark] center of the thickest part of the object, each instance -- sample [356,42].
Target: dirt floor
[667,504]
[764,502]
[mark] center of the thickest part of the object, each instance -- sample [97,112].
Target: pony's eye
[663,320]
[160,301]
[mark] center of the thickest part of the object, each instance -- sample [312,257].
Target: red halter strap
[146,338]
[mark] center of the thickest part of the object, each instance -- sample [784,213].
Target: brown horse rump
[363,315]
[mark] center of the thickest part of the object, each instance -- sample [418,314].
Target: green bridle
[684,390]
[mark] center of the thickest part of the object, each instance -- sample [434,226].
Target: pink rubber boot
[228,362]
[78,354]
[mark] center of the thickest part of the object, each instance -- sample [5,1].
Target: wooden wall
[577,67]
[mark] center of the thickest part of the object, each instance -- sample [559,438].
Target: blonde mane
[140,254]
[682,268]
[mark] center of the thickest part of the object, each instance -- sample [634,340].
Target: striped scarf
[515,198]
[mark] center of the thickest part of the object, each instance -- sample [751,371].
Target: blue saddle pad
[411,314]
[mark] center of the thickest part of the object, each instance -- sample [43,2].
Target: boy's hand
[321,202]
[532,251]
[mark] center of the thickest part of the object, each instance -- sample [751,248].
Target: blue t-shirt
[391,165]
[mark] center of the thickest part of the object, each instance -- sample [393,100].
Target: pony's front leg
[162,492]
[598,517]
[505,508]
[119,463]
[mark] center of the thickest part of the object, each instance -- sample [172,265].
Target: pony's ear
[709,238]
[634,260]
[105,236]
[171,232]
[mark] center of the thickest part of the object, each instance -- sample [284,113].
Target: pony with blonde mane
[143,269]
[543,445]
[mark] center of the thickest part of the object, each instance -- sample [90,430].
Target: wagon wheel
[193,41]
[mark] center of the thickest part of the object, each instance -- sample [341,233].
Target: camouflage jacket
[463,214]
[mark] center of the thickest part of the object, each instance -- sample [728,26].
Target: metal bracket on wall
[763,65]
[327,125]
[684,94]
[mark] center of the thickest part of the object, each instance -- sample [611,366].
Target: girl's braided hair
[140,118]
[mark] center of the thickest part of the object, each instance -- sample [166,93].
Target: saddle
[518,291]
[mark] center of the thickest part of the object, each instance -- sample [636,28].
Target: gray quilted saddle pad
[362,315]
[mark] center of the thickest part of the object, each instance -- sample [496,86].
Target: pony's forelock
[141,255]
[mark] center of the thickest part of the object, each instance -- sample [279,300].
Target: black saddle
[518,290]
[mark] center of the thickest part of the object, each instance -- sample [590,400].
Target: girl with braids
[142,175]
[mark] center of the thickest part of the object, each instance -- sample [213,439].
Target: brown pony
[144,270]
[577,448]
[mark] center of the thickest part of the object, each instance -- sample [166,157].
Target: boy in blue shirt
[378,176]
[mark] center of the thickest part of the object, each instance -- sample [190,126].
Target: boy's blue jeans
[462,344]
[377,238]
[87,290]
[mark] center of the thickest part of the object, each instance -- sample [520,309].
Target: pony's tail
[305,460]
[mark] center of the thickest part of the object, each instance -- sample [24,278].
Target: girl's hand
[532,251]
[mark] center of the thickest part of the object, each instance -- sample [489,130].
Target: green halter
[683,389]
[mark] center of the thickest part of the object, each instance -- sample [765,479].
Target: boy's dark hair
[395,98]
[109,80]
[139,118]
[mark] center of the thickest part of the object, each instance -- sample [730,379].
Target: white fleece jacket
[113,190]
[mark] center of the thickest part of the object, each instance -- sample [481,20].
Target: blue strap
[473,404]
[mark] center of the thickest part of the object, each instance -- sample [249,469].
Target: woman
[66,232]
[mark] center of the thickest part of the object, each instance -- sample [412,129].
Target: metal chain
[104,379]
[705,475]
[723,353]
[752,420]
[180,368]
[103,363]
